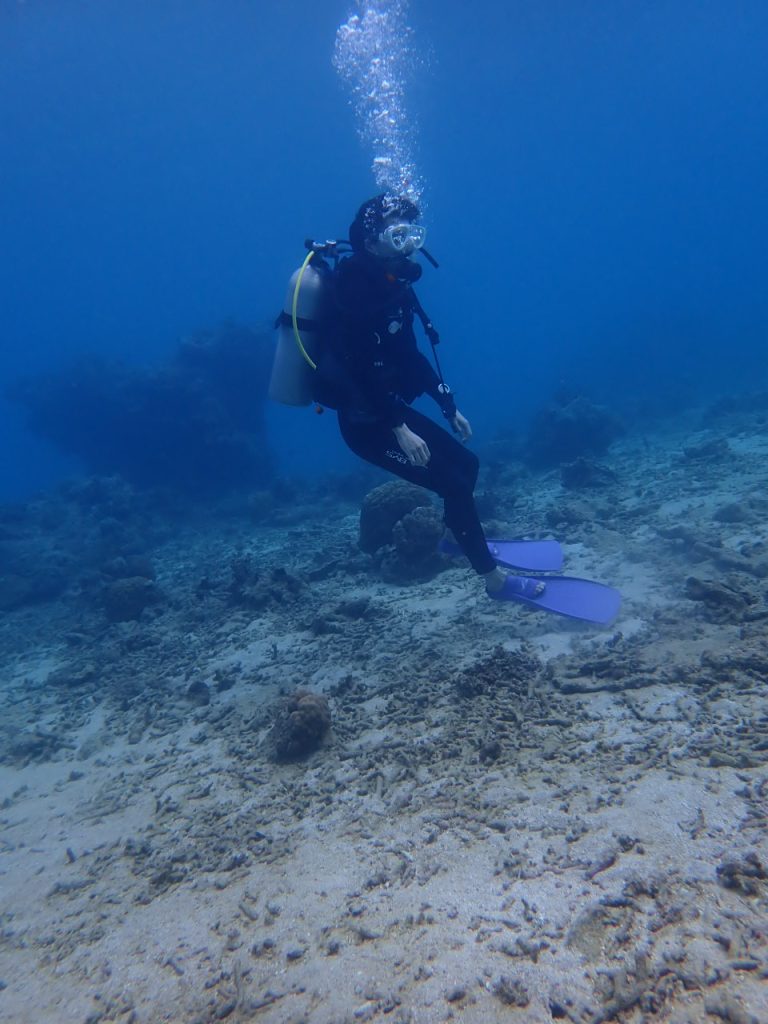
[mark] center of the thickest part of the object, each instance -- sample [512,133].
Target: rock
[73,676]
[743,876]
[123,567]
[199,693]
[258,589]
[490,751]
[511,992]
[715,450]
[32,746]
[594,929]
[584,473]
[93,744]
[125,599]
[355,608]
[727,1009]
[717,596]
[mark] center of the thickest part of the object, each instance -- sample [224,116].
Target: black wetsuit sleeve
[432,387]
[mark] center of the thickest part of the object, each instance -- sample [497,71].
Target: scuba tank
[293,366]
[298,326]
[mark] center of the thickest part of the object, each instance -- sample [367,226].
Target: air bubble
[373,56]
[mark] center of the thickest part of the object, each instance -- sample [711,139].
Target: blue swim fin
[539,555]
[544,555]
[564,595]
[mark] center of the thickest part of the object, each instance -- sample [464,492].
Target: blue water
[594,181]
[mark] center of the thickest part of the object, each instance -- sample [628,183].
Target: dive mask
[403,239]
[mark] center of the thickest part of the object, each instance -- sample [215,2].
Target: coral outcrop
[566,430]
[383,507]
[194,425]
[301,724]
[414,546]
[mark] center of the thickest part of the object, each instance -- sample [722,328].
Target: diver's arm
[413,447]
[461,425]
[430,384]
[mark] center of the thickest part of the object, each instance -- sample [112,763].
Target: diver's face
[397,238]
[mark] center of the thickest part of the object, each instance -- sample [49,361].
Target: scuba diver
[369,368]
[346,339]
[370,348]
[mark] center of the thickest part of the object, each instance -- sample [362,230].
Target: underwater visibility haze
[591,177]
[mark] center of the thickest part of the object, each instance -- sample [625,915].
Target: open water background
[594,186]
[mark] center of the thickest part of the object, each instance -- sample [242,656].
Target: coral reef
[566,430]
[300,726]
[194,425]
[75,542]
[414,546]
[383,507]
[399,523]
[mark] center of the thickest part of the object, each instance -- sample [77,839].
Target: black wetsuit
[373,370]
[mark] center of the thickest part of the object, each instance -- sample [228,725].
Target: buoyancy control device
[298,326]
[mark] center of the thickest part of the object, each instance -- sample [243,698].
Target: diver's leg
[452,473]
[376,444]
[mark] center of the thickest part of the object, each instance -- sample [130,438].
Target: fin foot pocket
[518,586]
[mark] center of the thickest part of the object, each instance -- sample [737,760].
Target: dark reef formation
[568,429]
[195,425]
[87,541]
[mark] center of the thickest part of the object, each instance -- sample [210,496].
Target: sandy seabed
[514,817]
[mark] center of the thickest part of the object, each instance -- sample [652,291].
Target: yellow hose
[294,305]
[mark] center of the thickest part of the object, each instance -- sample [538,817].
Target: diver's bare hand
[461,426]
[413,447]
